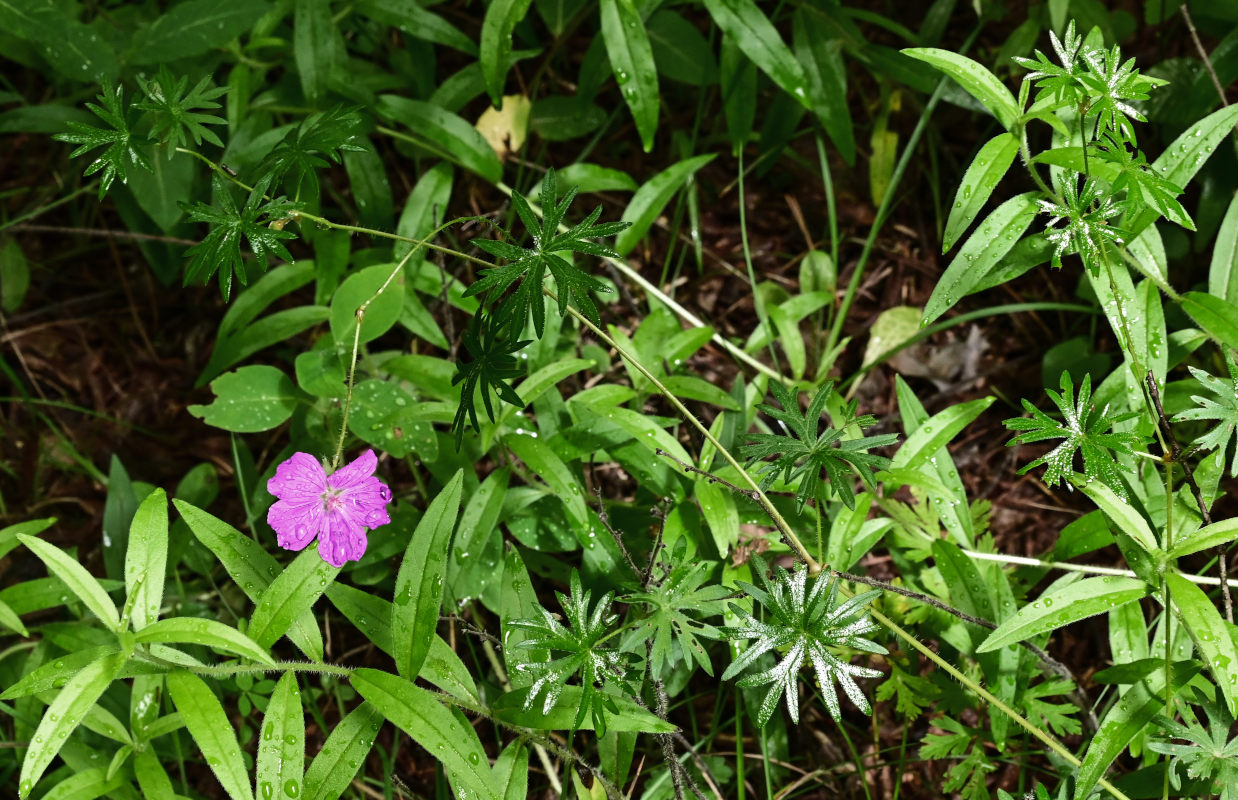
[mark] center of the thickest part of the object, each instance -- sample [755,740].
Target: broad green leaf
[893,328]
[501,18]
[652,197]
[208,632]
[211,731]
[953,510]
[387,417]
[424,210]
[546,465]
[925,441]
[250,566]
[417,21]
[821,57]
[968,591]
[193,28]
[690,387]
[94,782]
[631,59]
[333,769]
[74,50]
[444,669]
[281,747]
[147,557]
[445,133]
[1062,606]
[745,23]
[15,274]
[644,430]
[511,772]
[975,79]
[1124,721]
[53,674]
[1214,535]
[63,715]
[510,708]
[982,176]
[381,313]
[291,595]
[537,384]
[1223,272]
[467,576]
[1213,637]
[160,191]
[680,51]
[1218,318]
[258,296]
[992,240]
[75,576]
[518,600]
[250,399]
[1121,513]
[593,178]
[432,725]
[419,584]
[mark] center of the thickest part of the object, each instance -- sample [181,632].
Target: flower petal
[299,479]
[341,540]
[296,523]
[355,472]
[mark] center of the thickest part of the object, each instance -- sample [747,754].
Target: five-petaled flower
[335,508]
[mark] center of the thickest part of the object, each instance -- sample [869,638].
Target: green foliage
[1223,409]
[492,367]
[259,222]
[315,143]
[803,453]
[529,266]
[579,648]
[1087,231]
[1206,753]
[803,623]
[1083,429]
[176,108]
[122,146]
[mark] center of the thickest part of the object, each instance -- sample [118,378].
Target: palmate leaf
[579,648]
[492,368]
[1224,409]
[221,249]
[527,266]
[1086,212]
[804,453]
[123,148]
[1208,753]
[1144,188]
[176,108]
[802,624]
[675,606]
[1083,429]
[314,144]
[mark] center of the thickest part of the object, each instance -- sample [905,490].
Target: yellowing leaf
[505,129]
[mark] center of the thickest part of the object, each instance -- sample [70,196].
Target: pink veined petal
[367,503]
[299,480]
[341,540]
[355,472]
[296,524]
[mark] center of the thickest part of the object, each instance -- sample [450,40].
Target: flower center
[332,500]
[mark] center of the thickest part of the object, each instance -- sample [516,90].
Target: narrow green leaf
[943,426]
[276,283]
[446,133]
[745,23]
[1124,721]
[546,465]
[631,59]
[419,584]
[978,81]
[54,674]
[75,576]
[1062,606]
[251,568]
[1218,318]
[270,330]
[208,632]
[992,240]
[496,44]
[467,576]
[982,176]
[1212,635]
[511,772]
[147,557]
[652,197]
[211,731]
[1214,535]
[10,620]
[292,594]
[152,778]
[281,747]
[30,527]
[316,46]
[333,769]
[425,209]
[90,783]
[510,708]
[518,600]
[433,726]
[193,28]
[410,17]
[1223,272]
[1120,512]
[63,715]
[821,57]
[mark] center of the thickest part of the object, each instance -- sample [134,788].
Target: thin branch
[1203,54]
[712,478]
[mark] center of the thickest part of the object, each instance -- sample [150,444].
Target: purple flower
[336,508]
